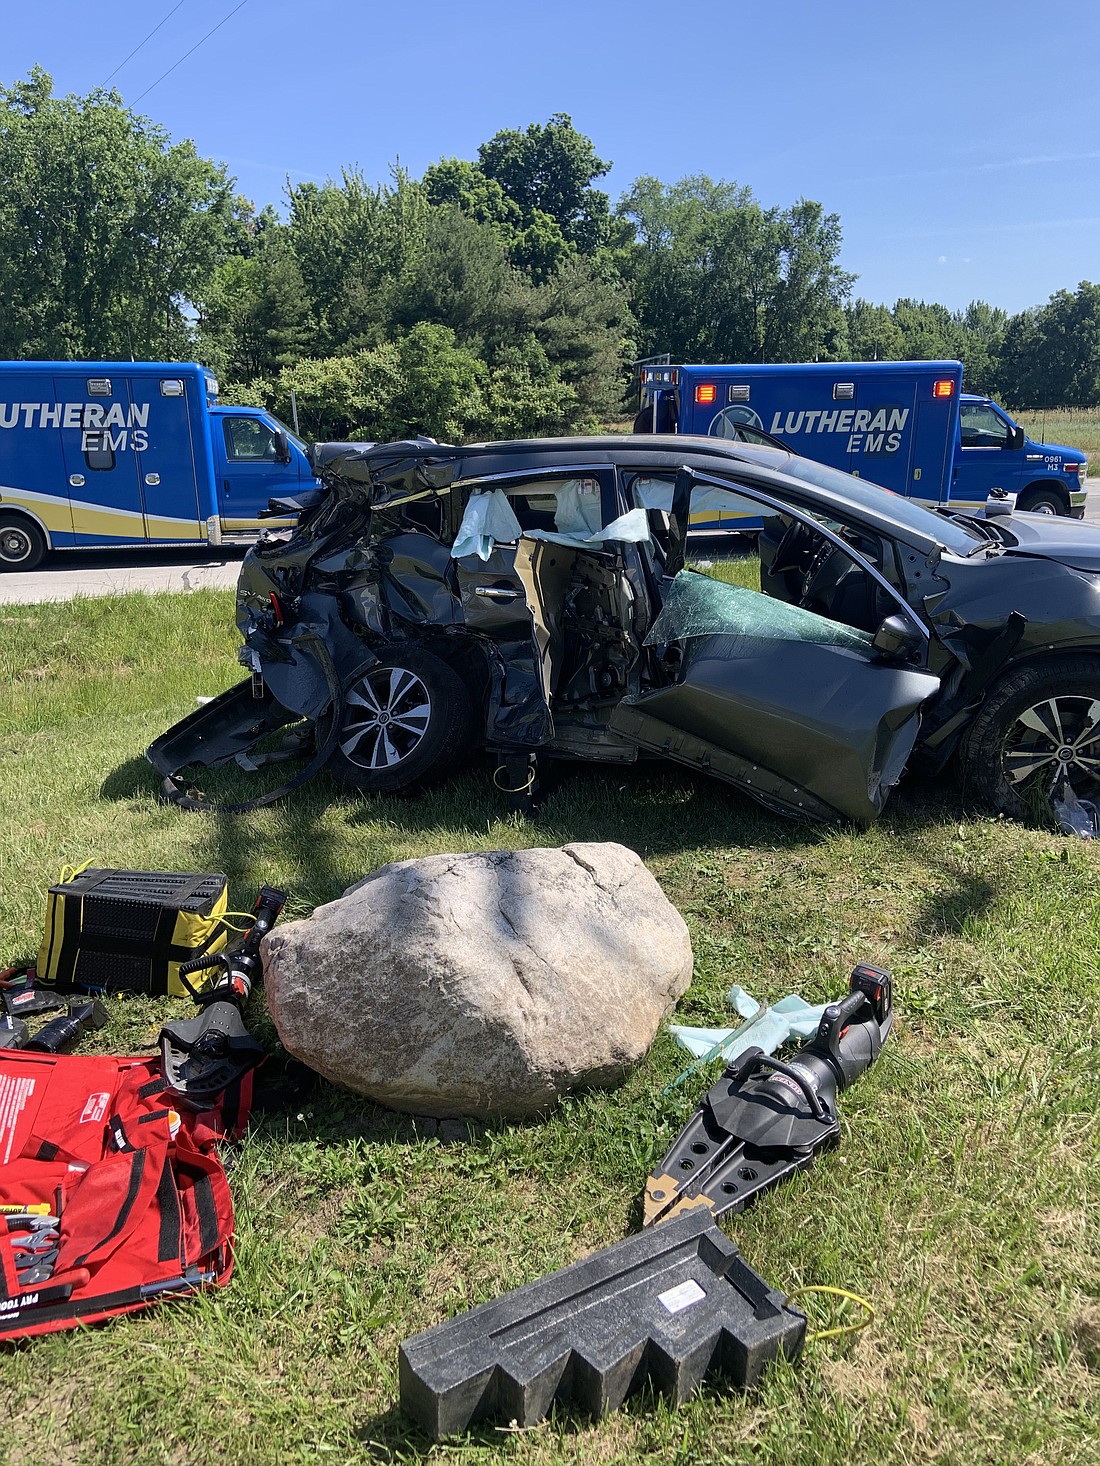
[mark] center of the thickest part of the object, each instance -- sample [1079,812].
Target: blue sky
[958,143]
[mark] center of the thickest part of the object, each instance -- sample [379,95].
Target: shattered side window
[696,605]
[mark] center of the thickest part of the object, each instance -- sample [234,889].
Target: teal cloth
[765,1027]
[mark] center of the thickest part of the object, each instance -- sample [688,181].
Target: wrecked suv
[533,600]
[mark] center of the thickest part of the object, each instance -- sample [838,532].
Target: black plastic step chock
[674,1305]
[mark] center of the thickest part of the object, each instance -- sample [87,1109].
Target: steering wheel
[818,561]
[794,544]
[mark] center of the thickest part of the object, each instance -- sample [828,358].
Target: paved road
[111,572]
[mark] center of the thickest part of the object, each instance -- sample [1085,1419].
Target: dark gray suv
[534,600]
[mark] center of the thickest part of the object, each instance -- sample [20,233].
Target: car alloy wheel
[386,717]
[1056,738]
[403,719]
[1038,726]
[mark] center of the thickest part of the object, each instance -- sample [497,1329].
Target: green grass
[963,1200]
[1076,427]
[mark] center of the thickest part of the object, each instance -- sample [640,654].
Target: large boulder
[482,984]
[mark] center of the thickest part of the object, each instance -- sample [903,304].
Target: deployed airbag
[488,519]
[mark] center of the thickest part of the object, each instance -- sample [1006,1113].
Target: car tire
[1042,501]
[405,718]
[22,543]
[1018,744]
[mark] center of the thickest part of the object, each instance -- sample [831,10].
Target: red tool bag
[110,1197]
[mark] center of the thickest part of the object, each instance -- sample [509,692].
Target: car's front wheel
[1038,727]
[1042,501]
[405,718]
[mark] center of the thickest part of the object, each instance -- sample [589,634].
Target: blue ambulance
[906,425]
[108,453]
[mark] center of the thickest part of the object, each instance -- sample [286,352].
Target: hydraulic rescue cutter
[767,1118]
[202,1056]
[677,1303]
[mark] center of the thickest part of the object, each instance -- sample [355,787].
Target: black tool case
[129,930]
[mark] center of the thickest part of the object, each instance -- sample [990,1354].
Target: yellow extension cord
[845,1328]
[522,789]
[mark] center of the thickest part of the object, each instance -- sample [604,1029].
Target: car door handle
[497,593]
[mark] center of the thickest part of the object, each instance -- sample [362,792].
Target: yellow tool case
[127,931]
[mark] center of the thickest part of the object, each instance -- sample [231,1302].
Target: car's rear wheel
[1038,727]
[405,719]
[22,544]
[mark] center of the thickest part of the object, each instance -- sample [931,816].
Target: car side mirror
[282,446]
[898,639]
[1016,438]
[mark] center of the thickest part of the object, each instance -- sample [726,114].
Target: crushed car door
[492,554]
[806,713]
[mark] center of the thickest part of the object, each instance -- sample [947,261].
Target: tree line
[490,297]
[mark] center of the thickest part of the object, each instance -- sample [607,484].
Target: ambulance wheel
[22,543]
[405,718]
[1042,501]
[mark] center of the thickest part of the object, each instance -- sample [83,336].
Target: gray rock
[481,984]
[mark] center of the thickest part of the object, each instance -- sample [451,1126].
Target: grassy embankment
[963,1201]
[1076,427]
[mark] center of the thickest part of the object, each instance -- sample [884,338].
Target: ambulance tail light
[706,392]
[944,387]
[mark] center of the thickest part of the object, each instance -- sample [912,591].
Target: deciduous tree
[718,277]
[109,232]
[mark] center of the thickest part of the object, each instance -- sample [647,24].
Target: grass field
[1076,427]
[963,1201]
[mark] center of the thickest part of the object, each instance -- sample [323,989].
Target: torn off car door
[801,711]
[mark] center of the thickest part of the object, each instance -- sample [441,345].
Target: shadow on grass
[392,1436]
[650,807]
[945,912]
[136,776]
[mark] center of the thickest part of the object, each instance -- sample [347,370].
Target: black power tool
[766,1118]
[203,1056]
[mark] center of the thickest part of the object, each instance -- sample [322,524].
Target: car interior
[595,605]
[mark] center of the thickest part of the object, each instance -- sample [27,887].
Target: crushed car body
[533,599]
